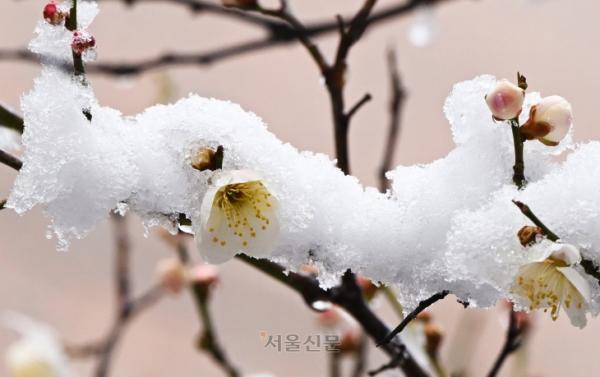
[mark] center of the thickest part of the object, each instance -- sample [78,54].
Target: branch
[519,167]
[201,6]
[10,160]
[127,308]
[282,36]
[366,98]
[525,210]
[513,341]
[397,97]
[10,119]
[122,262]
[348,296]
[412,315]
[208,339]
[588,265]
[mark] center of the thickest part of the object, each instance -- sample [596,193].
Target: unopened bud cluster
[82,40]
[549,120]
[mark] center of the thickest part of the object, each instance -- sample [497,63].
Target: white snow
[449,224]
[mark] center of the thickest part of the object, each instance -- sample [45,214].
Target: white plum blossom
[37,353]
[448,224]
[550,282]
[238,214]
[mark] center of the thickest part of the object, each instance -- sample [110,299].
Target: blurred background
[553,42]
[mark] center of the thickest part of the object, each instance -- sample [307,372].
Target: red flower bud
[82,41]
[52,14]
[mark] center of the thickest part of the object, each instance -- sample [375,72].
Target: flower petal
[578,291]
[566,253]
[237,217]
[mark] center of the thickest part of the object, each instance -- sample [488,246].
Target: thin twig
[10,160]
[208,341]
[513,341]
[71,24]
[283,35]
[96,349]
[11,119]
[588,265]
[397,97]
[519,167]
[334,74]
[127,307]
[348,296]
[121,279]
[360,359]
[525,210]
[335,359]
[201,6]
[366,98]
[122,263]
[392,364]
[412,315]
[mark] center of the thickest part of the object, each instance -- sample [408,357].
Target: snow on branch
[446,226]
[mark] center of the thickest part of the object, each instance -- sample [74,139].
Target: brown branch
[127,307]
[514,339]
[10,160]
[348,296]
[10,119]
[360,362]
[122,264]
[208,340]
[334,74]
[2,204]
[525,210]
[412,315]
[397,97]
[335,359]
[366,98]
[281,35]
[201,6]
[589,266]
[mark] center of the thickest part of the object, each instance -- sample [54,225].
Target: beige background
[554,42]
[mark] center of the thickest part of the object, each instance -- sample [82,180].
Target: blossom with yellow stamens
[238,215]
[551,283]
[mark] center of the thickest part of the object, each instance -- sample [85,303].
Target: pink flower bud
[549,121]
[505,100]
[330,318]
[205,274]
[52,14]
[82,41]
[171,275]
[351,340]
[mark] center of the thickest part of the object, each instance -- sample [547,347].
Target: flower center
[245,207]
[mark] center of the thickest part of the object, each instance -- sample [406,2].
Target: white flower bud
[505,100]
[549,120]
